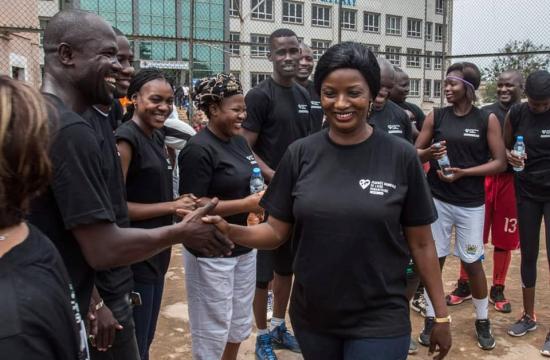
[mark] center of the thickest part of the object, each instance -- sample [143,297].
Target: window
[393,55]
[293,12]
[260,47]
[118,13]
[438,60]
[414,28]
[262,9]
[157,50]
[414,87]
[256,78]
[438,32]
[439,6]
[320,15]
[429,31]
[437,88]
[349,19]
[413,58]
[18,73]
[374,48]
[371,22]
[428,88]
[235,8]
[393,25]
[319,47]
[43,23]
[235,49]
[428,61]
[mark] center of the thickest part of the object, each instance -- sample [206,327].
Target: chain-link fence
[190,39]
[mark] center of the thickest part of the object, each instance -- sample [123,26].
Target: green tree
[514,58]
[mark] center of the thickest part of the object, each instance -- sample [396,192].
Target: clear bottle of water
[444,163]
[256,181]
[519,151]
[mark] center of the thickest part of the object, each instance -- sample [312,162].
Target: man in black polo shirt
[305,68]
[399,94]
[386,115]
[79,210]
[277,115]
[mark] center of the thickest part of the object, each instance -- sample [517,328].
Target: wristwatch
[442,320]
[99,305]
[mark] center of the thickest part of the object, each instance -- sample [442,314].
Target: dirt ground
[173,339]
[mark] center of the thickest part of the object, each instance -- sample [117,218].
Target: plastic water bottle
[256,181]
[519,151]
[444,163]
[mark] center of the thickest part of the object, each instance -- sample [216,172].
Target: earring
[371,104]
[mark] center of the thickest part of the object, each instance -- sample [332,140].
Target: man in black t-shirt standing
[399,95]
[78,210]
[305,68]
[385,114]
[277,115]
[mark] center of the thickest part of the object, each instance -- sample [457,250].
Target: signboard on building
[164,64]
[336,2]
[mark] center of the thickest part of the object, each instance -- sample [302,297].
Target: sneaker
[485,339]
[545,351]
[264,349]
[418,303]
[413,348]
[424,337]
[496,297]
[522,326]
[460,294]
[269,305]
[282,338]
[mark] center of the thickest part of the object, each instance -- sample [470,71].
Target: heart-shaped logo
[364,183]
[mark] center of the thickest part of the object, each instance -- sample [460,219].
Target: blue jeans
[146,315]
[316,346]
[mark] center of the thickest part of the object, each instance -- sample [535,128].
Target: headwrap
[215,89]
[537,86]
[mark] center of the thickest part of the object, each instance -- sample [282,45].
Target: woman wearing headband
[471,138]
[217,162]
[532,121]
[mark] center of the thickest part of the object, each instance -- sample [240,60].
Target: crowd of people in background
[361,194]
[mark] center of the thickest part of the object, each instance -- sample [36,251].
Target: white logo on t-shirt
[302,109]
[545,134]
[377,187]
[364,183]
[394,129]
[471,132]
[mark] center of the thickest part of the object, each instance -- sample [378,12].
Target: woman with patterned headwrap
[217,162]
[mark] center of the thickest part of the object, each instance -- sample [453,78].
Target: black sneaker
[496,297]
[485,339]
[418,303]
[460,294]
[424,337]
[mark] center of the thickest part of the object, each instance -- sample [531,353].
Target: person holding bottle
[530,122]
[472,139]
[217,162]
[348,299]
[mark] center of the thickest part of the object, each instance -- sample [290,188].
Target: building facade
[416,28]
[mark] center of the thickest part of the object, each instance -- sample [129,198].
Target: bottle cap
[520,138]
[256,171]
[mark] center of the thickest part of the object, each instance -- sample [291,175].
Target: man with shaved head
[385,114]
[500,207]
[399,95]
[305,68]
[84,209]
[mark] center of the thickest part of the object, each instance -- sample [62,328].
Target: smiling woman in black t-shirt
[148,177]
[472,140]
[532,121]
[346,193]
[39,318]
[217,162]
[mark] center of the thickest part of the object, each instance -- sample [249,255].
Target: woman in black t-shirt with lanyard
[472,140]
[148,176]
[346,194]
[532,121]
[217,162]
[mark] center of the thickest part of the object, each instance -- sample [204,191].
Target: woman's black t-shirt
[534,181]
[467,146]
[148,181]
[348,205]
[211,167]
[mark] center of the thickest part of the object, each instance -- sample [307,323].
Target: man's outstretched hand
[202,237]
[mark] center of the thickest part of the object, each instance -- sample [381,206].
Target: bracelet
[99,305]
[442,320]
